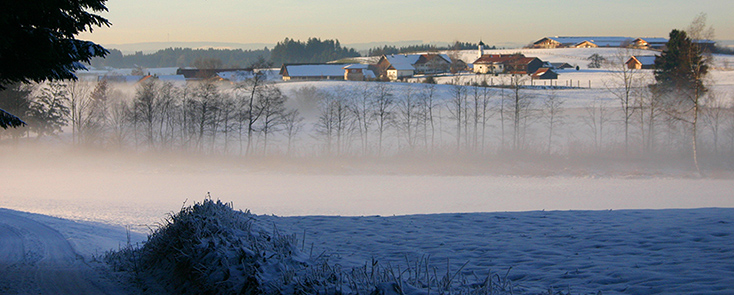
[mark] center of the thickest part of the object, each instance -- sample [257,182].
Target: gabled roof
[313,70]
[357,66]
[525,60]
[402,62]
[561,65]
[645,60]
[598,40]
[424,58]
[653,40]
[405,62]
[543,71]
[497,58]
[205,73]
[236,76]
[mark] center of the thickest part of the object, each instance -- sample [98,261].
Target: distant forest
[184,57]
[314,50]
[379,51]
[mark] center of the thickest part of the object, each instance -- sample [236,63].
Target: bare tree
[597,115]
[292,125]
[272,105]
[428,104]
[202,107]
[520,110]
[325,126]
[145,107]
[361,106]
[622,82]
[485,111]
[226,116]
[120,114]
[714,113]
[247,94]
[553,115]
[382,109]
[456,108]
[169,108]
[80,108]
[649,104]
[407,116]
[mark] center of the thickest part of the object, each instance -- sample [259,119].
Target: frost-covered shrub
[209,248]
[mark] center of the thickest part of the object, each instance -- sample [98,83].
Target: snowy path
[36,259]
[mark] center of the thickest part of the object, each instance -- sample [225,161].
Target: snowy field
[618,230]
[578,233]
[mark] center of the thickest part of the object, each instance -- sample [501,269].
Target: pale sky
[494,22]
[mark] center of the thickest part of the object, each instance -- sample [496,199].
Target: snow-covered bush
[209,248]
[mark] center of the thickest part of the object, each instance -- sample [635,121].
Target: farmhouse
[544,74]
[397,66]
[203,74]
[581,42]
[649,43]
[637,62]
[358,72]
[561,65]
[312,72]
[506,63]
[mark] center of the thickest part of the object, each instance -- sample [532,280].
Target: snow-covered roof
[403,62]
[315,70]
[357,66]
[236,76]
[598,40]
[646,59]
[161,71]
[654,40]
[172,78]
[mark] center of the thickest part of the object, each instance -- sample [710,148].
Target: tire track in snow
[36,259]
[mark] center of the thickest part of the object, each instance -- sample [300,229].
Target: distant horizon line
[153,46]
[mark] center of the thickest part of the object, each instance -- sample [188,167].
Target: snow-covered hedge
[209,248]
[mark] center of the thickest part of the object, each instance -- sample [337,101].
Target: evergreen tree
[39,41]
[16,100]
[679,75]
[50,111]
[681,66]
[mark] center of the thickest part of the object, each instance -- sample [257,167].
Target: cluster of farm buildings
[395,67]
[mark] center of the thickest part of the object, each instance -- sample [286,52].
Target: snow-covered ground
[583,230]
[398,217]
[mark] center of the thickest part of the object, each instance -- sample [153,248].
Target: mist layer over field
[138,190]
[471,143]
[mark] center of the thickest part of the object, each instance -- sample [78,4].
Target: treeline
[386,50]
[312,51]
[255,118]
[206,117]
[183,57]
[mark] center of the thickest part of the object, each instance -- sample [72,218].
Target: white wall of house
[393,74]
[495,68]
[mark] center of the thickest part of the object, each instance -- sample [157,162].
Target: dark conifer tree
[39,39]
[681,65]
